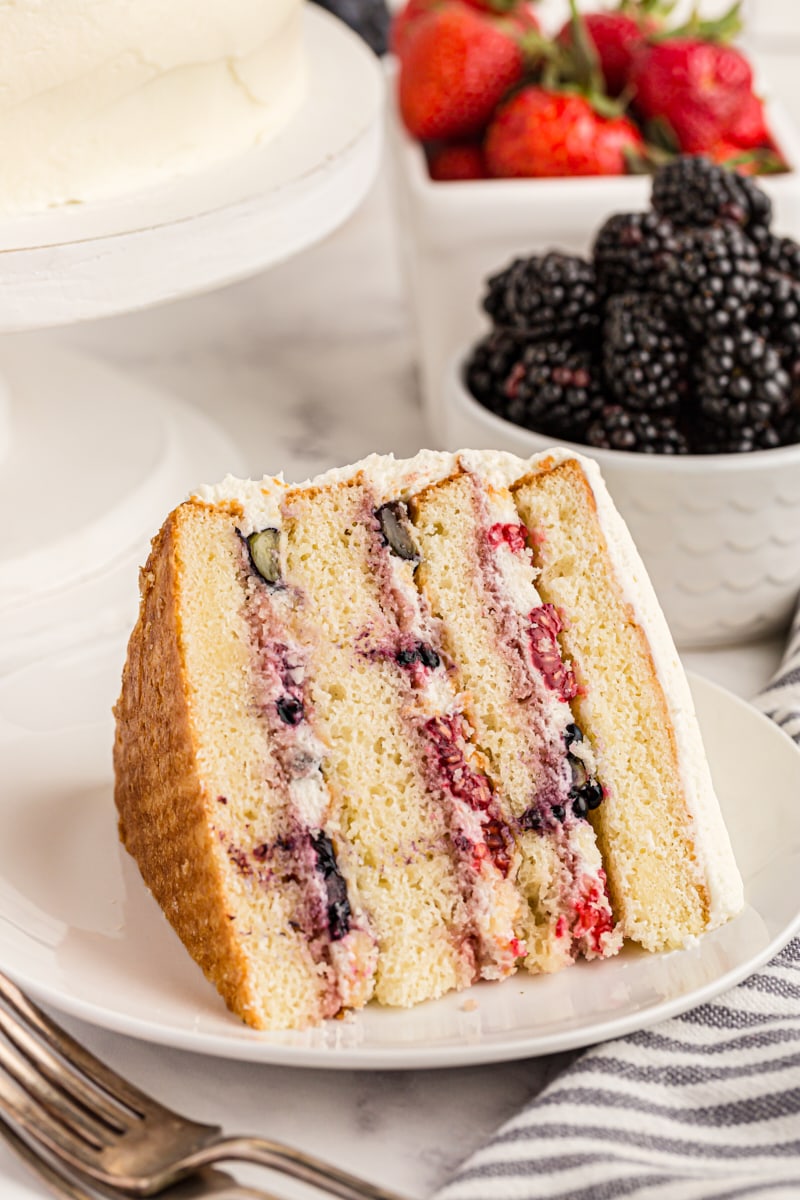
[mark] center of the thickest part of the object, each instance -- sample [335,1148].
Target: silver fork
[56,1175]
[87,1115]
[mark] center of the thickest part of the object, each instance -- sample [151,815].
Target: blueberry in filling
[428,656]
[335,886]
[585,794]
[396,530]
[264,551]
[531,820]
[419,653]
[592,793]
[579,806]
[289,709]
[578,771]
[572,734]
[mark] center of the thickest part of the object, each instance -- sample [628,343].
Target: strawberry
[728,153]
[699,88]
[404,21]
[455,68]
[750,130]
[617,37]
[519,14]
[460,160]
[540,132]
[519,11]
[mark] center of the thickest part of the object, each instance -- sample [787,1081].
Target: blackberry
[740,384]
[629,249]
[776,316]
[711,280]
[780,254]
[555,388]
[789,427]
[544,296]
[489,366]
[693,191]
[618,428]
[645,356]
[711,438]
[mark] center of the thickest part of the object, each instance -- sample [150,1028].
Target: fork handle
[289,1162]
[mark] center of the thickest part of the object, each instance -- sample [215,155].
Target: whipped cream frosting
[100,98]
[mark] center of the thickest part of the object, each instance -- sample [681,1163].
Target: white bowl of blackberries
[671,355]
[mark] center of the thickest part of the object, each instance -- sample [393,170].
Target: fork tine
[54,1179]
[47,1076]
[203,1184]
[72,1054]
[40,1124]
[58,1105]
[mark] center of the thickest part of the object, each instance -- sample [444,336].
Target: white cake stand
[90,460]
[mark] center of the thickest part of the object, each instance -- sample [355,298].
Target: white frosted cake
[411,725]
[99,98]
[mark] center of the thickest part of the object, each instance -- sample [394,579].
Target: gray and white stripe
[705,1106]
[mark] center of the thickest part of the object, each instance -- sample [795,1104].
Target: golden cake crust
[158,792]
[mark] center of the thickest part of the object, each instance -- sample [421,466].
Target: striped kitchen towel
[705,1106]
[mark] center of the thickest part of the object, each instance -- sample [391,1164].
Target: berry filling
[421,653]
[544,626]
[593,922]
[458,778]
[338,911]
[513,536]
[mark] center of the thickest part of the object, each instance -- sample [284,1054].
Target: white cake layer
[397,478]
[99,98]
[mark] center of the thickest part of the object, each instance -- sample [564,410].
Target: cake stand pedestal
[90,459]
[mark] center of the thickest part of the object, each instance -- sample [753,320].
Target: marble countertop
[306,366]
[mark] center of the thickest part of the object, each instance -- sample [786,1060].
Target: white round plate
[80,932]
[210,227]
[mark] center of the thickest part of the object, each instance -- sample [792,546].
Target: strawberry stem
[719,29]
[585,61]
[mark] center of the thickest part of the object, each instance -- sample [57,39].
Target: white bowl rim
[689,464]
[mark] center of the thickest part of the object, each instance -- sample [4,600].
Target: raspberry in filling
[461,781]
[513,536]
[544,626]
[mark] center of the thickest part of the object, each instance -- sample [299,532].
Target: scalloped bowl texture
[718,533]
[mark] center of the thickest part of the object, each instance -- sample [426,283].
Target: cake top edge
[391,478]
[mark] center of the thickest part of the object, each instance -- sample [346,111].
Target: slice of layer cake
[409,726]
